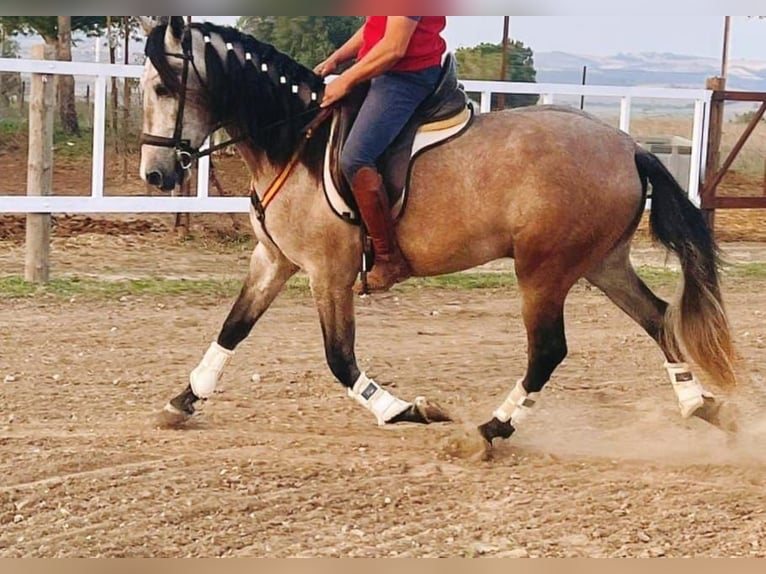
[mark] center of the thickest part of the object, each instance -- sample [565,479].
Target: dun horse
[559,191]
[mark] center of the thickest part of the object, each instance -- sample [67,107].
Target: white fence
[96,202]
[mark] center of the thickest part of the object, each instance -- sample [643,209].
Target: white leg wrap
[516,406]
[205,376]
[689,391]
[377,400]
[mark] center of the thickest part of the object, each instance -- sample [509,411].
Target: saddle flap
[342,120]
[444,113]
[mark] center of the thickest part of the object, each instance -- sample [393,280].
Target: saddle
[443,115]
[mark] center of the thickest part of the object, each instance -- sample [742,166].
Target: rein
[260,204]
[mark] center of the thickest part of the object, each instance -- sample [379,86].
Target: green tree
[67,109]
[10,83]
[47,26]
[483,62]
[60,38]
[307,39]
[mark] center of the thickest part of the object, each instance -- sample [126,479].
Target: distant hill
[659,69]
[656,69]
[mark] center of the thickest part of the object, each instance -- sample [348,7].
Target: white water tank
[675,152]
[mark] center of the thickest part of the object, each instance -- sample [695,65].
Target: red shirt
[424,50]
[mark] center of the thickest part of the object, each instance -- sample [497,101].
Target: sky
[608,35]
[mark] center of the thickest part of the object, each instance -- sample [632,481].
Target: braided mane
[254,97]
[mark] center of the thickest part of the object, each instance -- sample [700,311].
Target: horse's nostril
[154,178]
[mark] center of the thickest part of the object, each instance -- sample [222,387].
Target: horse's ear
[176,26]
[148,23]
[174,32]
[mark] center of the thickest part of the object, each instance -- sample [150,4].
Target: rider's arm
[350,49]
[346,52]
[383,55]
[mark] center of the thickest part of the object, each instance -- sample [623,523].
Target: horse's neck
[258,164]
[264,173]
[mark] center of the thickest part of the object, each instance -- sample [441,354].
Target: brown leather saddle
[446,113]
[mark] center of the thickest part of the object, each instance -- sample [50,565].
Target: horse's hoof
[496,429]
[467,444]
[719,414]
[423,412]
[431,412]
[171,417]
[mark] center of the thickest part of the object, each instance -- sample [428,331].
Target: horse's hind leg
[618,281]
[334,299]
[543,314]
[269,270]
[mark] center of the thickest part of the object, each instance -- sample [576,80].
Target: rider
[402,56]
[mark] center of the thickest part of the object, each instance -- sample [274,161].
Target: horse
[554,188]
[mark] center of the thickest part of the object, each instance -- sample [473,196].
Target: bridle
[186,154]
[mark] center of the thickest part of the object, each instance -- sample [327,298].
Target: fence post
[713,152]
[39,169]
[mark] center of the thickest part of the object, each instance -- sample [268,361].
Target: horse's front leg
[335,303]
[269,271]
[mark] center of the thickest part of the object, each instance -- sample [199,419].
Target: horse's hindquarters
[537,183]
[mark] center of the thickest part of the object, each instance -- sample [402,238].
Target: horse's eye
[161,91]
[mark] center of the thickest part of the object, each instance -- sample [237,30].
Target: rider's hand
[335,90]
[327,67]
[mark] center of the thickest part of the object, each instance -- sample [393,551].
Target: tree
[10,83]
[307,39]
[53,30]
[67,109]
[483,62]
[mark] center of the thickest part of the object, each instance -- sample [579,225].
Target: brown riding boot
[390,265]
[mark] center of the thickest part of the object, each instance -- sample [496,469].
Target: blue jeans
[388,106]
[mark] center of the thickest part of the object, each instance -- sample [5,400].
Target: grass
[11,126]
[463,281]
[14,131]
[14,287]
[65,145]
[748,271]
[14,128]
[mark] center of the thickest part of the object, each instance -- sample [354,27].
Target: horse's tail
[697,318]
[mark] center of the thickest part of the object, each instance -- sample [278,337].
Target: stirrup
[398,270]
[368,258]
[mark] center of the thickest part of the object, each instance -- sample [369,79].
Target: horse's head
[176,116]
[200,77]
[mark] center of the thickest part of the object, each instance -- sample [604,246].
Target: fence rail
[96,202]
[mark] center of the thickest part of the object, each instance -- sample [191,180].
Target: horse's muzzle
[165,181]
[154,178]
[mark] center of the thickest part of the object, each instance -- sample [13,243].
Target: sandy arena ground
[289,466]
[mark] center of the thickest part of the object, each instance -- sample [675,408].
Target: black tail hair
[699,318]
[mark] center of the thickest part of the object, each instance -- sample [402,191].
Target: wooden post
[115,97]
[183,220]
[715,130]
[39,168]
[504,58]
[126,101]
